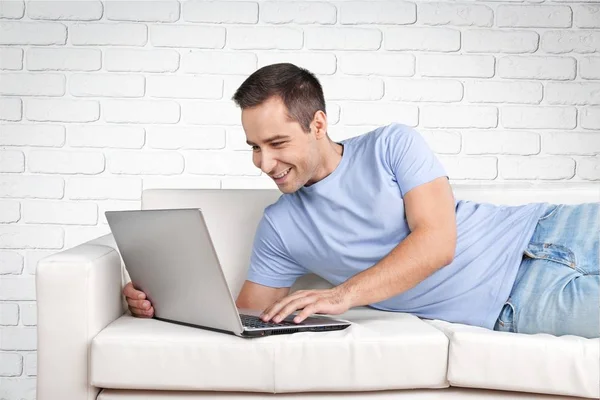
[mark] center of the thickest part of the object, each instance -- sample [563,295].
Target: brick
[59,212]
[10,109]
[454,14]
[302,12]
[106,85]
[383,113]
[264,38]
[458,116]
[31,364]
[221,63]
[335,88]
[542,168]
[141,111]
[387,64]
[21,388]
[379,12]
[258,182]
[465,167]
[37,187]
[11,58]
[65,162]
[12,9]
[11,364]
[588,168]
[61,110]
[145,163]
[101,34]
[231,12]
[571,143]
[589,117]
[10,211]
[89,10]
[12,161]
[145,11]
[186,87]
[236,139]
[498,41]
[220,163]
[317,63]
[32,257]
[333,113]
[21,84]
[422,38]
[439,90]
[134,60]
[563,41]
[186,138]
[76,235]
[53,59]
[579,93]
[456,65]
[231,83]
[543,16]
[9,314]
[537,67]
[589,67]
[442,141]
[18,338]
[211,113]
[181,182]
[503,92]
[539,117]
[16,287]
[326,38]
[28,314]
[501,142]
[114,136]
[586,15]
[11,263]
[33,33]
[116,205]
[203,37]
[39,135]
[104,188]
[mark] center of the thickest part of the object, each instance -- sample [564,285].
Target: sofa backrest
[232,215]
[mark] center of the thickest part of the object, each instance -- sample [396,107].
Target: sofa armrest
[78,295]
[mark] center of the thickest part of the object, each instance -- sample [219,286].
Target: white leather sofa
[89,347]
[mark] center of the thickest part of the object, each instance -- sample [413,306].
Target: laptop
[170,256]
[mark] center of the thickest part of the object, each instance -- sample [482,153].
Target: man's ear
[319,124]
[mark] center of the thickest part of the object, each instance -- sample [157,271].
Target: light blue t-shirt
[348,221]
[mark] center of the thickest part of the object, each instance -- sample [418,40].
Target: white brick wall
[102,99]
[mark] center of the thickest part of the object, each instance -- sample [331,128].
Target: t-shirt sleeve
[270,262]
[412,161]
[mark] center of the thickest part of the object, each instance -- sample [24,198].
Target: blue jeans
[557,289]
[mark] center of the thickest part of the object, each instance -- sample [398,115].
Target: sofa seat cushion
[379,351]
[541,363]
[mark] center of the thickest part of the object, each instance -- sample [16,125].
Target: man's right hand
[138,305]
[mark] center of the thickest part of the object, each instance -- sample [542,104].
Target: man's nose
[267,163]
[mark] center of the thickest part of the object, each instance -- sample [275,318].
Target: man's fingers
[132,293]
[141,304]
[293,306]
[270,311]
[307,312]
[142,313]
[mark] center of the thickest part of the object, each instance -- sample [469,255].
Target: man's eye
[277,144]
[255,148]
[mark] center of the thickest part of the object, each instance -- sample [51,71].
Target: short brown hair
[299,89]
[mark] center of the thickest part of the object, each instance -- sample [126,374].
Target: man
[375,216]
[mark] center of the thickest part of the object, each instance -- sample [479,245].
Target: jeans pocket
[550,210]
[551,252]
[505,322]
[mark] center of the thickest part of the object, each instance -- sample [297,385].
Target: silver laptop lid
[170,257]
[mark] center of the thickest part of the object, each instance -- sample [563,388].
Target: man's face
[280,148]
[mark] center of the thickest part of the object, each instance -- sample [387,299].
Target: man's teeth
[284,173]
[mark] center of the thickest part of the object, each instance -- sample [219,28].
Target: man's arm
[258,297]
[430,246]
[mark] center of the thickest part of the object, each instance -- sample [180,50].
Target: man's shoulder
[384,135]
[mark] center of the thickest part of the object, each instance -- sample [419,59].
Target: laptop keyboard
[251,321]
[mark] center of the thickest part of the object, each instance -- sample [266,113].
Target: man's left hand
[329,301]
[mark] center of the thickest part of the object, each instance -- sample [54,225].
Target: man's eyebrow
[269,140]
